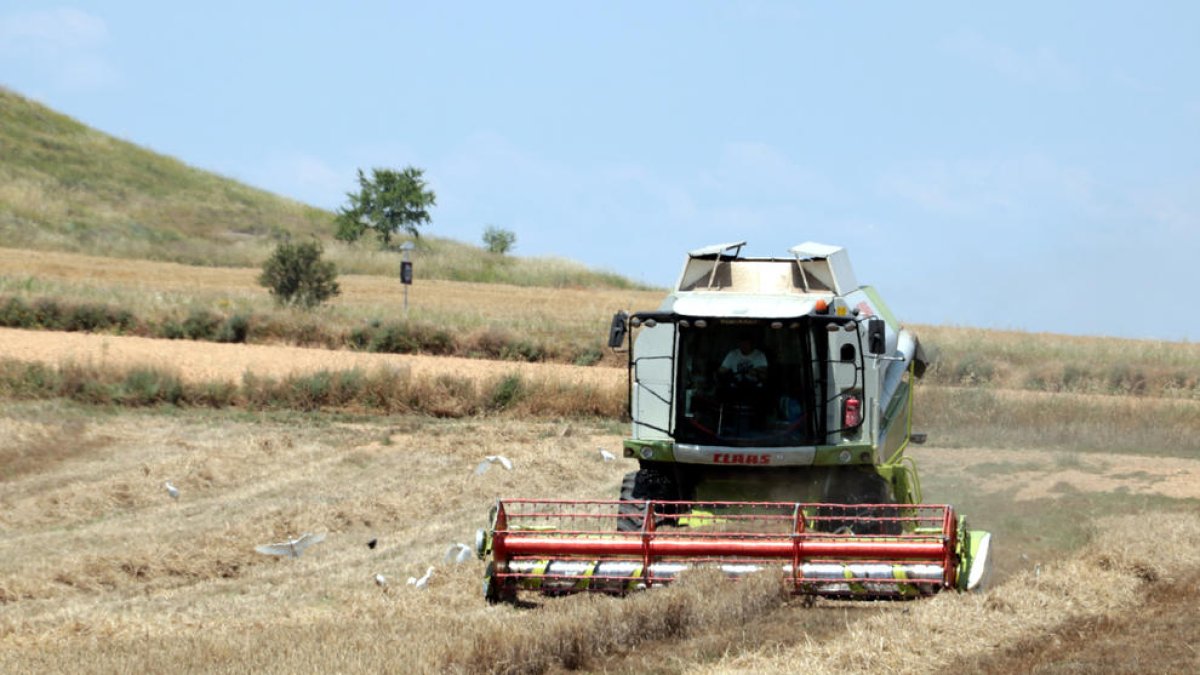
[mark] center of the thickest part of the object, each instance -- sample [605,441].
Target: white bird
[291,548]
[380,581]
[490,460]
[606,455]
[423,581]
[171,490]
[460,553]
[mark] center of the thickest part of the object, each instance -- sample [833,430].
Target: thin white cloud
[65,45]
[1135,83]
[1174,208]
[1038,66]
[1003,186]
[764,171]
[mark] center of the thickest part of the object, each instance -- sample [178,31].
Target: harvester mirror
[617,330]
[876,336]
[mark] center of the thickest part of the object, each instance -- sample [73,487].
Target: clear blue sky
[1028,165]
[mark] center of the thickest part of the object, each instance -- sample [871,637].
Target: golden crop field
[1092,497]
[148,286]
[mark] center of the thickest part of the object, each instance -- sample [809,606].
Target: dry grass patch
[100,571]
[1062,363]
[1108,579]
[563,322]
[966,416]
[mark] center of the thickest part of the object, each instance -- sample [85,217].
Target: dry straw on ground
[103,572]
[1110,577]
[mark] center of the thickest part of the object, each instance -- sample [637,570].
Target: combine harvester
[771,405]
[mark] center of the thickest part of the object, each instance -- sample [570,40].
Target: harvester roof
[718,281]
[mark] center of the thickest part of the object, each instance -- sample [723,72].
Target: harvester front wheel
[497,590]
[851,488]
[638,487]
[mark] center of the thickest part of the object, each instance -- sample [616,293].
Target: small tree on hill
[498,240]
[389,202]
[296,275]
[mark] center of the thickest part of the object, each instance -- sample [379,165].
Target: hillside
[67,187]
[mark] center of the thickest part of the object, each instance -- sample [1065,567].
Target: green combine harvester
[771,406]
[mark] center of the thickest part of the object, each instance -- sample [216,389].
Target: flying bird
[171,490]
[459,553]
[291,548]
[493,459]
[423,581]
[606,455]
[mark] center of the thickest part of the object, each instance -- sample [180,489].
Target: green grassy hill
[67,187]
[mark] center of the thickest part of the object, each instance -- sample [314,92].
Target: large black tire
[496,591]
[638,487]
[631,513]
[853,486]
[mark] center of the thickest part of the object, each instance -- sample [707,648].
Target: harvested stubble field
[1093,498]
[103,572]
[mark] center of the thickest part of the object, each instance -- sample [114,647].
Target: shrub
[296,275]
[85,318]
[201,325]
[402,338]
[507,391]
[235,329]
[47,313]
[15,313]
[523,350]
[498,241]
[588,356]
[149,386]
[171,330]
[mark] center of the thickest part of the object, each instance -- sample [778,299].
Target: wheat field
[104,572]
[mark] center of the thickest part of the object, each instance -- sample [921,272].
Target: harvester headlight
[701,323]
[647,452]
[776,325]
[651,323]
[844,457]
[684,323]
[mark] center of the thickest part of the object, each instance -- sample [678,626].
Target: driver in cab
[745,364]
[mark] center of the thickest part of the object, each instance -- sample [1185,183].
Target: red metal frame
[749,533]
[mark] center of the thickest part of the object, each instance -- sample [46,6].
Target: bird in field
[606,455]
[291,548]
[171,490]
[380,581]
[489,460]
[459,553]
[372,543]
[423,581]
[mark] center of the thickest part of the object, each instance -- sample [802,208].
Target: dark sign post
[406,273]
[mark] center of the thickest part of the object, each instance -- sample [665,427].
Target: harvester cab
[770,401]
